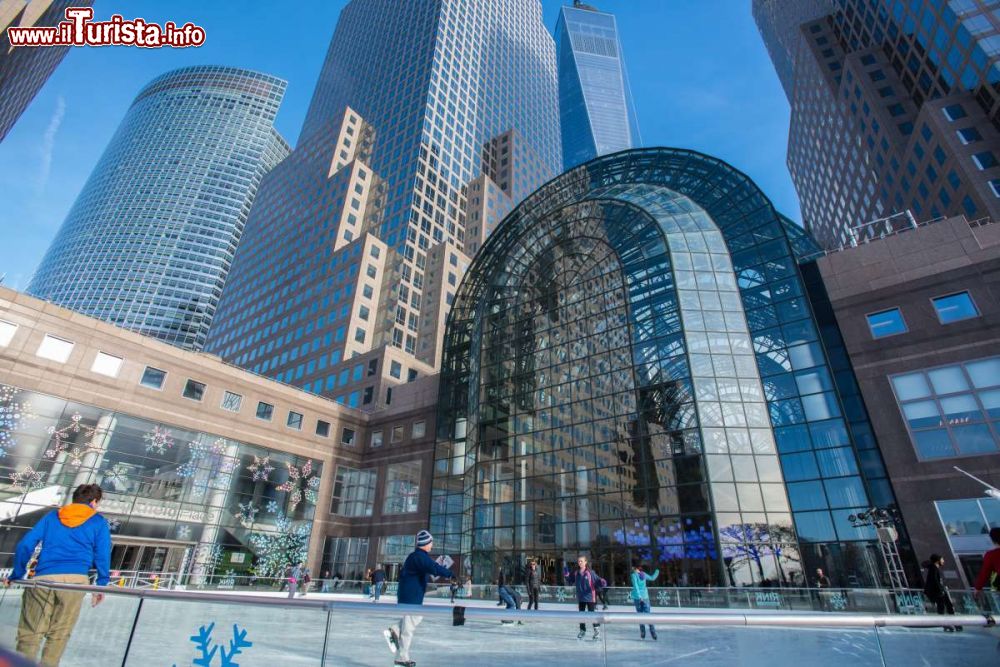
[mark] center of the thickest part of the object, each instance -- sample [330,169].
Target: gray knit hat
[424,538]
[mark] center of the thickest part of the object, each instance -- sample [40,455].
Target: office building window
[953,112]
[265,411]
[984,160]
[376,440]
[396,369]
[231,401]
[397,434]
[107,364]
[955,307]
[952,410]
[194,390]
[56,349]
[7,331]
[347,437]
[402,488]
[322,428]
[419,429]
[886,323]
[153,378]
[969,135]
[353,492]
[294,420]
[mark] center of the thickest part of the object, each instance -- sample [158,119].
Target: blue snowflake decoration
[207,648]
[12,416]
[247,514]
[662,599]
[561,594]
[838,602]
[273,507]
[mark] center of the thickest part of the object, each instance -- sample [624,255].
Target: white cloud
[48,144]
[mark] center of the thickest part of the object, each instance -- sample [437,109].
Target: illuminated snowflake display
[272,507]
[159,440]
[118,476]
[13,414]
[261,468]
[302,483]
[61,438]
[184,532]
[26,480]
[247,514]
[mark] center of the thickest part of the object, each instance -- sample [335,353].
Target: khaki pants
[49,615]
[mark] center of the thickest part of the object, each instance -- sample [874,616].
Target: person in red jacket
[991,564]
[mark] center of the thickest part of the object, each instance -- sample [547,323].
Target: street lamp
[991,491]
[884,521]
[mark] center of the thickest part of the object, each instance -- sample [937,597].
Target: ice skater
[587,584]
[640,596]
[534,581]
[412,586]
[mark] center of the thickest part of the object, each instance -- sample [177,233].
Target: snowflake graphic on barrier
[561,595]
[208,648]
[301,483]
[13,414]
[662,599]
[184,532]
[272,507]
[74,452]
[261,468]
[159,440]
[247,514]
[28,479]
[838,602]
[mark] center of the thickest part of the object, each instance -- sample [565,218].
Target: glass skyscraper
[638,366]
[895,107]
[151,237]
[595,102]
[24,70]
[412,149]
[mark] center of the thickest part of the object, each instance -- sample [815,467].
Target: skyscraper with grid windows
[412,150]
[598,116]
[895,108]
[150,239]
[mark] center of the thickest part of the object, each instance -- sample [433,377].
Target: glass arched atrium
[633,369]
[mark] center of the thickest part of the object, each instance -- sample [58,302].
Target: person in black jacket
[410,591]
[937,592]
[534,581]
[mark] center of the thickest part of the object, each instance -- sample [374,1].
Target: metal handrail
[759,619]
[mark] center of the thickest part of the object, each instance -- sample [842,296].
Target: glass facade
[595,103]
[150,239]
[178,501]
[952,410]
[892,101]
[633,369]
[397,138]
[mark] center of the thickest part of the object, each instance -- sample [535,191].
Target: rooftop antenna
[991,491]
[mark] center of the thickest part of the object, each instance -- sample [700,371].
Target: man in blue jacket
[412,586]
[74,539]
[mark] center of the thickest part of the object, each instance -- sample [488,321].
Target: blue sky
[700,77]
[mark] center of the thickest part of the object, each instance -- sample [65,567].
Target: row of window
[59,350]
[950,308]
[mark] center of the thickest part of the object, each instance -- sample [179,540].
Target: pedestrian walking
[534,581]
[822,583]
[306,580]
[325,585]
[989,573]
[294,575]
[587,584]
[74,539]
[412,586]
[937,592]
[640,596]
[378,583]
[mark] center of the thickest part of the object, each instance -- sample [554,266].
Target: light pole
[991,491]
[884,521]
